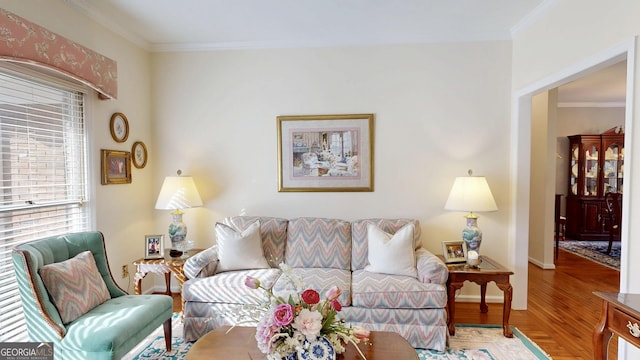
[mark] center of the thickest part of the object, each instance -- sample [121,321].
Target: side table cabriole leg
[602,335]
[484,308]
[137,280]
[451,305]
[506,308]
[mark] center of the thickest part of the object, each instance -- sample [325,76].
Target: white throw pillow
[391,254]
[240,250]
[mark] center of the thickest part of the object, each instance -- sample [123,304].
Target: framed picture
[116,167]
[139,154]
[154,246]
[454,251]
[119,127]
[325,152]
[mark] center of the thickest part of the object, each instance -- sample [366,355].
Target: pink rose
[310,297]
[333,293]
[252,282]
[283,314]
[335,304]
[361,333]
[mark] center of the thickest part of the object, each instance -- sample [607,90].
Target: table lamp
[178,192]
[471,193]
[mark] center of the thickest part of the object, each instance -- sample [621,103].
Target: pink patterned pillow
[75,285]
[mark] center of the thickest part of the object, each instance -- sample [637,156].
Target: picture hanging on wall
[325,153]
[115,167]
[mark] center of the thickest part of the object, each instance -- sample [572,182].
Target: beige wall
[124,213]
[542,200]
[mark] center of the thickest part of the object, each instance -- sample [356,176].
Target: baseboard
[476,298]
[542,265]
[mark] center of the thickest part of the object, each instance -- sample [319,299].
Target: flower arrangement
[290,324]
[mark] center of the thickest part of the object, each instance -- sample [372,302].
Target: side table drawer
[618,323]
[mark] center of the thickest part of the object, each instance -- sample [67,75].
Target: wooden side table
[620,315]
[167,266]
[489,270]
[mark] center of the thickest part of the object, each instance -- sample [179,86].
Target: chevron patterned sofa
[324,252]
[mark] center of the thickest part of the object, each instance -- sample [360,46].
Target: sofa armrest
[430,268]
[202,264]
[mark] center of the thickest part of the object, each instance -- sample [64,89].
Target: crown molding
[586,104]
[533,17]
[86,9]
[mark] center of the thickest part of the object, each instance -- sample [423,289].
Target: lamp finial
[179,172]
[470,172]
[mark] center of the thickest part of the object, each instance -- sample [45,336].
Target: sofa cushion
[229,287]
[360,252]
[320,280]
[239,250]
[75,285]
[319,243]
[273,232]
[391,254]
[372,290]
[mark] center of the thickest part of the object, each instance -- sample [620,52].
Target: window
[43,181]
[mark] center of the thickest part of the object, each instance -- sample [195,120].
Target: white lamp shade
[471,193]
[178,192]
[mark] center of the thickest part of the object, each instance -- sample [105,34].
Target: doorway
[521,162]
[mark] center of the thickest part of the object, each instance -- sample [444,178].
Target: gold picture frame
[325,153]
[454,251]
[119,127]
[115,167]
[139,154]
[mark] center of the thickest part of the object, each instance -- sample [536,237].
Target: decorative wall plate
[119,127]
[139,154]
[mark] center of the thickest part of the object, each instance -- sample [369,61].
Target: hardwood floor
[561,313]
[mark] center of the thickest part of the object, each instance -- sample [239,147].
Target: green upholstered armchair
[107,331]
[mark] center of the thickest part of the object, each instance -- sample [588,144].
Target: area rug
[471,342]
[594,251]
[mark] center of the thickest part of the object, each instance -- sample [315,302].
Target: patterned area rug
[472,342]
[594,251]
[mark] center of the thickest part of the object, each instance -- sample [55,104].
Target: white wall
[573,33]
[437,114]
[123,212]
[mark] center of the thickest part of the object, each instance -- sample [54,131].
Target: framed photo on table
[325,153]
[154,246]
[454,251]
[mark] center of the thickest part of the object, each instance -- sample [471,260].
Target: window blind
[43,181]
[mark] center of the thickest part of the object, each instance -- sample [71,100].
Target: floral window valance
[25,42]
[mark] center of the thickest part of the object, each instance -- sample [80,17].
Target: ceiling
[198,25]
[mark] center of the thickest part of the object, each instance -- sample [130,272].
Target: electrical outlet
[125,271]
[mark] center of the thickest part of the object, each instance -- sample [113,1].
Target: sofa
[410,300]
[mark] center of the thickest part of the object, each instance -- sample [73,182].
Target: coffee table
[240,344]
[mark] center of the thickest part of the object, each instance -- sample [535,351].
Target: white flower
[309,323]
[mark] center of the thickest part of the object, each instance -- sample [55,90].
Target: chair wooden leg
[167,334]
[610,242]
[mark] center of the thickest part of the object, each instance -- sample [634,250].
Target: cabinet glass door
[573,176]
[591,171]
[612,168]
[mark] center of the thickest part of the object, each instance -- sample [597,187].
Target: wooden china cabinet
[596,167]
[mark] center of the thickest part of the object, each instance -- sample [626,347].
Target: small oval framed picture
[119,127]
[139,152]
